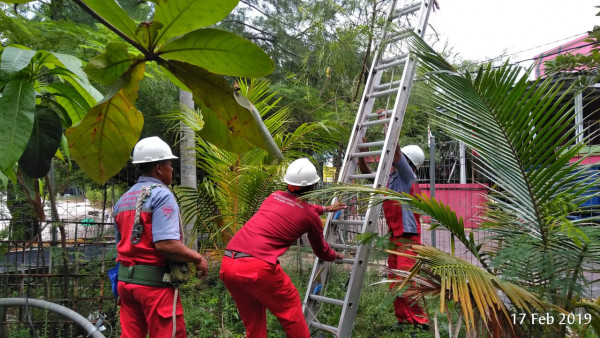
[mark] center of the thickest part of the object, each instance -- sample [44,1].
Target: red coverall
[147,309]
[258,283]
[407,310]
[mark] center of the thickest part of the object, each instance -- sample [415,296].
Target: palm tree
[236,184]
[540,238]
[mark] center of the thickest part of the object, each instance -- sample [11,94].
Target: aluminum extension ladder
[381,91]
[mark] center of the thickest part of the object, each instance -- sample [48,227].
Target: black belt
[235,254]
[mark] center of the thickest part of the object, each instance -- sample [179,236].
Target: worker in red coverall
[404,226]
[250,268]
[146,301]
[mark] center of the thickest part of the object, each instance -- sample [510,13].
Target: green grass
[211,312]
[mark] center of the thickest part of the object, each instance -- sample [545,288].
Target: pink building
[577,46]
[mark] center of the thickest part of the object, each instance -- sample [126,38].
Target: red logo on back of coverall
[167,210]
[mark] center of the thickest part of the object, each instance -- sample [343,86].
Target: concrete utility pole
[188,162]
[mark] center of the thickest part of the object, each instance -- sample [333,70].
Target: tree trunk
[188,163]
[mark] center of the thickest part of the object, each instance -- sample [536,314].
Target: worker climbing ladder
[382,91]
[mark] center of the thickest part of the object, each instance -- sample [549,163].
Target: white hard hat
[301,173]
[415,154]
[152,149]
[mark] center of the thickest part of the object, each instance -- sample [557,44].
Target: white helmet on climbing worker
[415,154]
[152,149]
[301,173]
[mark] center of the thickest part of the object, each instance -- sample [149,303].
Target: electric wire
[537,57]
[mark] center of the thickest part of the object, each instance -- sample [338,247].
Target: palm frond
[236,184]
[475,289]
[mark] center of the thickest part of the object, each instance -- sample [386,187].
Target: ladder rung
[362,176]
[391,64]
[324,327]
[393,59]
[385,113]
[371,144]
[406,10]
[398,36]
[327,300]
[345,260]
[367,153]
[343,246]
[375,122]
[384,92]
[386,86]
[347,222]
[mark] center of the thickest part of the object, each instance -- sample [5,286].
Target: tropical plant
[194,57]
[236,184]
[540,239]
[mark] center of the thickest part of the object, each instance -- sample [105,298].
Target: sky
[482,29]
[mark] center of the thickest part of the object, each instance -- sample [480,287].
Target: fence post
[432,178]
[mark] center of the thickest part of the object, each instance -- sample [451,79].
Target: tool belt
[150,275]
[147,275]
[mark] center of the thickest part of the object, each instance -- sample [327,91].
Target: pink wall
[588,160]
[464,199]
[577,46]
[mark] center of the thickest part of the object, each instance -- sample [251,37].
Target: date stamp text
[550,318]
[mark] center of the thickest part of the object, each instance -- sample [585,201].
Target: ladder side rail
[348,165]
[360,262]
[350,308]
[401,102]
[365,106]
[394,128]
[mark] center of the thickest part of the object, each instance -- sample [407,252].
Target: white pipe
[61,310]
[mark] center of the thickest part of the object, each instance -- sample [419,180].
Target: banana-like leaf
[3,180]
[17,111]
[217,94]
[182,16]
[101,144]
[80,82]
[15,59]
[108,67]
[43,143]
[217,133]
[75,105]
[219,52]
[110,11]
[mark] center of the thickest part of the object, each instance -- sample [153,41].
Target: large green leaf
[17,111]
[182,16]
[107,67]
[217,95]
[115,15]
[14,59]
[70,99]
[102,142]
[43,143]
[217,133]
[69,69]
[219,52]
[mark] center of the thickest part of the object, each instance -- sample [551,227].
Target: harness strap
[138,227]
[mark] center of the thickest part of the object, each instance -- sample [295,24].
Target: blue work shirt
[401,179]
[161,204]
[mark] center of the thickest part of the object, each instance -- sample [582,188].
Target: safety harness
[149,275]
